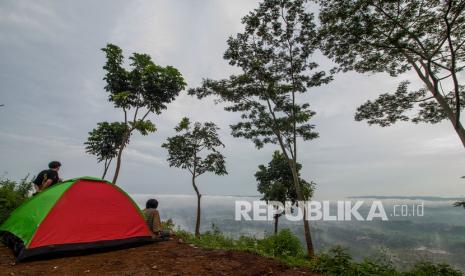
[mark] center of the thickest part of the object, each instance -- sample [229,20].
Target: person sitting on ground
[153,219]
[47,178]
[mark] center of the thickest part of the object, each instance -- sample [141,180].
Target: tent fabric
[24,220]
[78,214]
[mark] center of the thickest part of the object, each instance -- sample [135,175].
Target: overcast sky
[51,85]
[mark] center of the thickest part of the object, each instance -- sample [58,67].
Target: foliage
[427,268]
[168,225]
[195,148]
[146,85]
[275,181]
[395,37]
[146,88]
[273,53]
[274,56]
[105,141]
[13,194]
[338,262]
[335,262]
[283,244]
[388,109]
[286,247]
[185,149]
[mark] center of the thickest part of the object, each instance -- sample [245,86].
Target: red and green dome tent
[75,215]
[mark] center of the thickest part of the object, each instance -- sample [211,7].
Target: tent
[75,215]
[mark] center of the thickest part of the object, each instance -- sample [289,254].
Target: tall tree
[275,183]
[145,89]
[104,142]
[273,54]
[426,36]
[195,148]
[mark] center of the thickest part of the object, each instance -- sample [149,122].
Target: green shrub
[376,267]
[335,262]
[247,244]
[427,268]
[12,194]
[168,225]
[286,247]
[285,243]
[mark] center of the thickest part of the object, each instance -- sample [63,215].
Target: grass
[285,247]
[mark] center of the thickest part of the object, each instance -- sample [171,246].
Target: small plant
[285,243]
[427,268]
[286,247]
[168,225]
[336,262]
[13,194]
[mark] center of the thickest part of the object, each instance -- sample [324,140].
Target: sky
[52,88]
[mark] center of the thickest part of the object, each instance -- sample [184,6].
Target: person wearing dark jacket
[47,178]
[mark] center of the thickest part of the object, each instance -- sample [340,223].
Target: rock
[154,267]
[87,271]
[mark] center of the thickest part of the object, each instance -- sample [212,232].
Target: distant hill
[429,198]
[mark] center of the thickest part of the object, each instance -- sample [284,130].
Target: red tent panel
[90,211]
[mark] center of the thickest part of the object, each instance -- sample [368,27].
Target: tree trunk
[120,153]
[308,235]
[432,84]
[276,218]
[300,197]
[118,165]
[295,176]
[452,117]
[106,166]
[197,221]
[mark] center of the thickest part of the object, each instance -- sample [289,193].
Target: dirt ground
[162,258]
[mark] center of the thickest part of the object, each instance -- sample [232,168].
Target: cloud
[136,156]
[52,88]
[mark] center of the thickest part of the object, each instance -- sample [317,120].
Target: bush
[12,194]
[427,268]
[335,262]
[286,247]
[285,243]
[168,225]
[376,267]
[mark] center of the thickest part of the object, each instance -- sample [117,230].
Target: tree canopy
[275,181]
[146,88]
[195,149]
[425,36]
[274,56]
[276,184]
[105,141]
